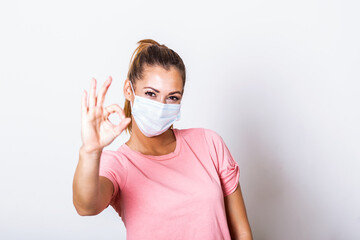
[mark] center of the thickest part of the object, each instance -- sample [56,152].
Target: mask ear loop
[133,93]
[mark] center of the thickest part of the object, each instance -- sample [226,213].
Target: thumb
[122,125]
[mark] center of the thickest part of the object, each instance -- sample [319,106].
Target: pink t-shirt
[179,195]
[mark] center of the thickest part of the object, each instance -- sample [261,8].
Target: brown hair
[151,53]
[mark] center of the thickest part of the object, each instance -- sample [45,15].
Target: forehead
[160,78]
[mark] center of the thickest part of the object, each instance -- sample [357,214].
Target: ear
[128,94]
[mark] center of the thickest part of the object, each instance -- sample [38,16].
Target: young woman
[164,182]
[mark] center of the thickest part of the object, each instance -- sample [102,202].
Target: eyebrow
[159,91]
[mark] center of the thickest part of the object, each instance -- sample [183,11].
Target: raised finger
[92,95]
[101,95]
[84,107]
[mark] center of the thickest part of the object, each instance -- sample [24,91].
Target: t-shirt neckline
[168,156]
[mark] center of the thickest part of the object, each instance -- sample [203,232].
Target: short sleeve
[112,167]
[227,168]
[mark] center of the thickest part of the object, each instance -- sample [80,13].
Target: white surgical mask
[153,117]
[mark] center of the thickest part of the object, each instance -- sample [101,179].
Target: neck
[150,145]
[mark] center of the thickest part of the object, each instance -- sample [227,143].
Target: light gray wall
[278,80]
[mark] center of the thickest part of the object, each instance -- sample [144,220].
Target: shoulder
[194,130]
[106,153]
[113,157]
[211,134]
[191,132]
[114,166]
[200,133]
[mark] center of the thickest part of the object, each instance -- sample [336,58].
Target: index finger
[112,109]
[103,90]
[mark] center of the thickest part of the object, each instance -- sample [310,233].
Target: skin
[238,223]
[91,192]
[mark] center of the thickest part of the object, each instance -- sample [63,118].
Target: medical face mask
[153,117]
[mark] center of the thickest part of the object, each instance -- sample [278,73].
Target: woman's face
[157,84]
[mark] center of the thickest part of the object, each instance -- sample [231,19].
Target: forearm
[86,182]
[244,236]
[243,232]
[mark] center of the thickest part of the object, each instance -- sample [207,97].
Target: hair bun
[148,41]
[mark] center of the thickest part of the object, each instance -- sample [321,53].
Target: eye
[174,98]
[149,94]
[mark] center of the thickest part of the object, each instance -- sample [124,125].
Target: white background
[278,80]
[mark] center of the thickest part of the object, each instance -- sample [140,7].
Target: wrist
[89,150]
